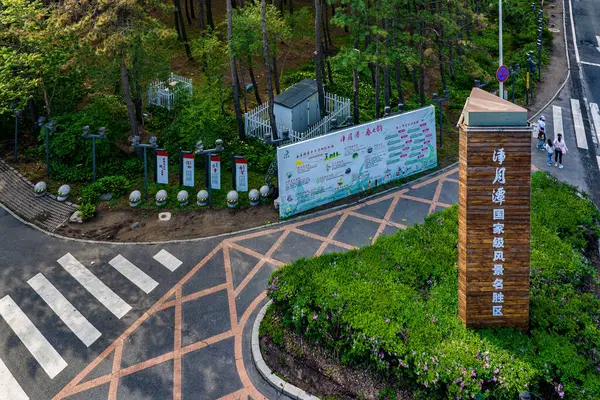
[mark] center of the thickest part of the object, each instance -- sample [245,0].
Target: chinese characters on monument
[494,213]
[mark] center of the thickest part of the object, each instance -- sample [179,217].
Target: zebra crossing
[32,338]
[573,112]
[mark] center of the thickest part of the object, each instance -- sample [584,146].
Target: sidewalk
[16,193]
[194,342]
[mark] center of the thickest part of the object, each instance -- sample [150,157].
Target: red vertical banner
[162,165]
[215,172]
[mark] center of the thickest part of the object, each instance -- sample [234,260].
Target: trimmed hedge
[392,307]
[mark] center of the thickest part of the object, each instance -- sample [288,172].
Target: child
[541,138]
[550,151]
[560,148]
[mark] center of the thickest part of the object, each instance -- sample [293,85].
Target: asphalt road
[56,353]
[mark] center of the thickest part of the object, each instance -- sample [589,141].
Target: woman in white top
[560,148]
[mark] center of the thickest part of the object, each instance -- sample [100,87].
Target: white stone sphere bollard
[232,199]
[202,198]
[135,198]
[40,189]
[264,193]
[161,197]
[182,197]
[63,192]
[254,197]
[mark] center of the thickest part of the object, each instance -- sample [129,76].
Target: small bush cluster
[392,308]
[90,195]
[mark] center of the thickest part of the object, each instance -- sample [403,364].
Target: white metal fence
[164,94]
[337,112]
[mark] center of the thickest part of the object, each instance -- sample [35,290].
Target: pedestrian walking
[549,151]
[560,148]
[541,132]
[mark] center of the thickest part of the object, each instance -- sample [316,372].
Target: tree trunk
[377,94]
[244,87]
[192,9]
[397,61]
[267,57]
[422,69]
[275,72]
[209,16]
[414,79]
[187,11]
[291,9]
[127,97]
[441,58]
[137,101]
[355,89]
[201,15]
[451,57]
[234,75]
[328,42]
[188,50]
[319,57]
[253,79]
[177,28]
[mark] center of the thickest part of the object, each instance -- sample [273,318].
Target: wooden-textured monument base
[494,213]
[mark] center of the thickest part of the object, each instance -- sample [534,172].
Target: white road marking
[76,322]
[95,286]
[31,337]
[590,63]
[578,122]
[168,260]
[598,40]
[573,31]
[557,120]
[595,119]
[9,386]
[133,273]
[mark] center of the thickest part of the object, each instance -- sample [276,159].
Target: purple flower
[387,321]
[315,317]
[496,371]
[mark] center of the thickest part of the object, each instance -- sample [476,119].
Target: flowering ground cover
[391,308]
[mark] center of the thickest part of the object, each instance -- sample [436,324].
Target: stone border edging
[275,381]
[231,234]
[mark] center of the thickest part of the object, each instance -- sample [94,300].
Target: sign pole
[233,166]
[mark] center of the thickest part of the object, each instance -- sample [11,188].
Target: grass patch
[392,308]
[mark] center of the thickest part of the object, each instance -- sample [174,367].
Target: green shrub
[117,185]
[87,211]
[392,308]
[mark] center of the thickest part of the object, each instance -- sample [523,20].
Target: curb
[275,381]
[562,86]
[232,234]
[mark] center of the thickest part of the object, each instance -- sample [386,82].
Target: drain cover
[164,216]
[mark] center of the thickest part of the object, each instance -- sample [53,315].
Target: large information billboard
[352,160]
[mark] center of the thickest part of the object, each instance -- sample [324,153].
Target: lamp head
[199,147]
[102,131]
[268,139]
[41,121]
[286,133]
[446,93]
[153,140]
[135,140]
[86,130]
[400,107]
[18,113]
[434,96]
[52,125]
[219,144]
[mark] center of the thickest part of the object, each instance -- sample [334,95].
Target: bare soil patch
[141,225]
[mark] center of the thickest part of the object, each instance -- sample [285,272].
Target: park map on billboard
[352,160]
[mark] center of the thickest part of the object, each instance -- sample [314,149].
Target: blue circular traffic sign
[503,73]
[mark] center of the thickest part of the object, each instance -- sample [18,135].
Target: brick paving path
[16,193]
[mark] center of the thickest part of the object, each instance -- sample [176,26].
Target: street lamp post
[207,153]
[285,136]
[152,144]
[539,43]
[531,65]
[514,71]
[440,100]
[18,114]
[101,135]
[50,126]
